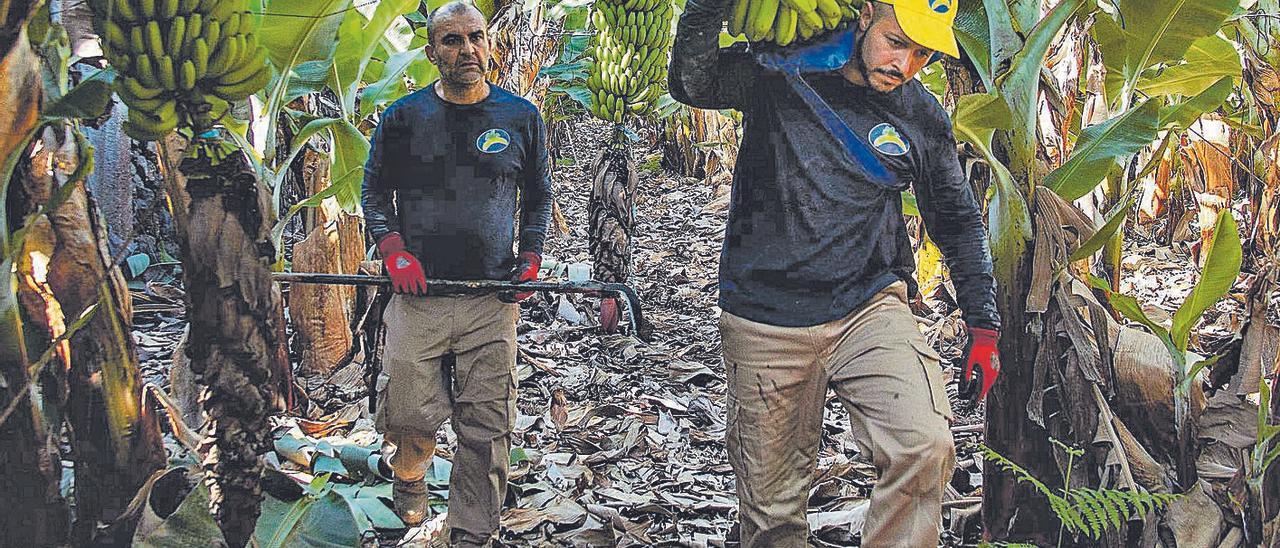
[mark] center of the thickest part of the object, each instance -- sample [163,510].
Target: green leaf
[976,118]
[1129,308]
[190,525]
[301,43]
[1111,44]
[325,520]
[1221,266]
[360,36]
[89,99]
[1100,146]
[391,86]
[138,263]
[1185,386]
[579,93]
[1021,84]
[300,142]
[1207,61]
[1161,31]
[909,205]
[301,31]
[350,152]
[1115,220]
[986,34]
[1183,114]
[377,512]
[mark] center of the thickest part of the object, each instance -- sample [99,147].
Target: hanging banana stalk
[236,346]
[180,64]
[629,55]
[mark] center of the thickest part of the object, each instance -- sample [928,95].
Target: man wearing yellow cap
[817,264]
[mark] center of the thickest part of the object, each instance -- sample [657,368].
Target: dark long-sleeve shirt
[449,178]
[810,238]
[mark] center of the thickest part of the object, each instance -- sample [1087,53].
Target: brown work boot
[410,498]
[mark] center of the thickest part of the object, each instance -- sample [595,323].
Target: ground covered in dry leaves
[620,442]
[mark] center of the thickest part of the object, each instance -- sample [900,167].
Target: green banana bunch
[784,22]
[181,63]
[629,56]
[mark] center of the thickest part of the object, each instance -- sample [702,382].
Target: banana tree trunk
[1012,510]
[116,438]
[611,213]
[524,41]
[30,470]
[236,343]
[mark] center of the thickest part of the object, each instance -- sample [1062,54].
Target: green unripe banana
[212,33]
[155,43]
[246,87]
[256,60]
[136,88]
[116,39]
[177,34]
[146,9]
[200,57]
[137,41]
[228,51]
[145,68]
[187,75]
[124,10]
[165,72]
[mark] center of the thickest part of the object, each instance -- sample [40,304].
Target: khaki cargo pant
[417,393]
[889,380]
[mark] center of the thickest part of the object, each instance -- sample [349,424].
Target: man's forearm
[969,261]
[536,216]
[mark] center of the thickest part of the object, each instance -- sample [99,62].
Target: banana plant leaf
[1101,145]
[1207,60]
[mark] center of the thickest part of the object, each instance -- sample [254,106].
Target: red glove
[982,364]
[403,268]
[525,270]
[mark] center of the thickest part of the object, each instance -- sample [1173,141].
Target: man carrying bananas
[817,264]
[448,168]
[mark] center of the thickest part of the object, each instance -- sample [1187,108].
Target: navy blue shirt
[449,178]
[811,239]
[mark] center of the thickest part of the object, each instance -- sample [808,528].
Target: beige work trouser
[417,393]
[889,380]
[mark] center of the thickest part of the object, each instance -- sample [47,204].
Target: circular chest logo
[886,139]
[493,141]
[940,6]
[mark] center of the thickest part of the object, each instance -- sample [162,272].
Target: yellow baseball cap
[928,22]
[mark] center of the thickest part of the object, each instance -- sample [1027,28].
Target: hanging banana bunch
[180,62]
[630,49]
[786,21]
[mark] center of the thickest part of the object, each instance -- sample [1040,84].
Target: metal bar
[481,287]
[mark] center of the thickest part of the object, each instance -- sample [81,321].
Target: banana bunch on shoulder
[180,62]
[786,21]
[629,53]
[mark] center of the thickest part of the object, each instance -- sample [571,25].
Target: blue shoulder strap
[828,54]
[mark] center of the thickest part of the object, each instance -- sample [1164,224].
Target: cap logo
[940,6]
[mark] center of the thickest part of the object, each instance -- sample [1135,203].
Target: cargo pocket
[931,366]
[380,417]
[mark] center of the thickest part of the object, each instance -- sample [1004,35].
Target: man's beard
[861,66]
